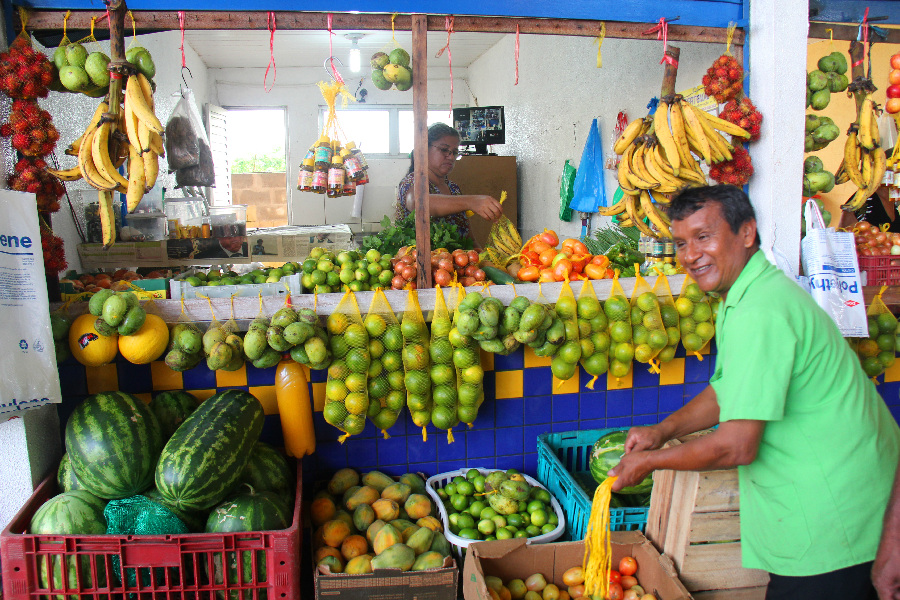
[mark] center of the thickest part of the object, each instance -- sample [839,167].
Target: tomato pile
[542,261]
[872,241]
[465,265]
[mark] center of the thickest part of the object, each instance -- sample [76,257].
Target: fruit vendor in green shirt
[815,446]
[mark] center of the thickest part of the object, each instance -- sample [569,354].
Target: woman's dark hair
[435,132]
[733,202]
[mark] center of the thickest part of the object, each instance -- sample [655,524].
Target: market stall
[400,407]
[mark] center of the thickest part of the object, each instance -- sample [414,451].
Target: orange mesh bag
[621,342]
[669,318]
[346,389]
[386,390]
[878,351]
[416,362]
[444,413]
[695,317]
[648,332]
[593,327]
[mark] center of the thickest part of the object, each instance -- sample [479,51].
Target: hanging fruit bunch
[80,71]
[743,113]
[736,171]
[54,256]
[828,79]
[391,70]
[724,79]
[31,176]
[31,129]
[25,73]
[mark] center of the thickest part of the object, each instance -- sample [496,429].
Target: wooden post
[117,10]
[670,73]
[857,71]
[420,151]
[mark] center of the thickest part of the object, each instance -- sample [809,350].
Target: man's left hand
[631,470]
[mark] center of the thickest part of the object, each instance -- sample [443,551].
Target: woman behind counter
[447,203]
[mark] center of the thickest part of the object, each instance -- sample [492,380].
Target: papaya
[353,546]
[377,480]
[417,506]
[440,544]
[398,556]
[342,481]
[386,510]
[322,510]
[334,532]
[386,537]
[420,541]
[349,492]
[359,565]
[431,523]
[414,481]
[427,560]
[363,517]
[326,551]
[334,564]
[364,495]
[398,492]
[373,530]
[343,515]
[408,532]
[400,523]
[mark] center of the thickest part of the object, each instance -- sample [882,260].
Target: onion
[441,277]
[461,260]
[473,256]
[881,238]
[469,271]
[467,281]
[398,282]
[409,273]
[479,275]
[445,264]
[863,226]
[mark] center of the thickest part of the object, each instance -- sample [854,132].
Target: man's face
[232,244]
[713,255]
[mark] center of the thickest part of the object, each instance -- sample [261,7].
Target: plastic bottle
[320,167]
[349,187]
[351,164]
[304,181]
[359,155]
[336,176]
[323,153]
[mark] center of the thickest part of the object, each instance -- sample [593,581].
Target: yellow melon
[89,347]
[147,343]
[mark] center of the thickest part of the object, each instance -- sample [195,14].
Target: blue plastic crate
[563,459]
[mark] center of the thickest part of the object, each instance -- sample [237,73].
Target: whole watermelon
[65,476]
[194,520]
[606,454]
[113,441]
[206,455]
[171,409]
[268,470]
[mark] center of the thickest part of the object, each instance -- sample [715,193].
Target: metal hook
[183,69]
[325,65]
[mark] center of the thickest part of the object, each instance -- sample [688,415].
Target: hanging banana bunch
[658,160]
[864,160]
[132,134]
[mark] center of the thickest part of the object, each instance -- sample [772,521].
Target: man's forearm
[733,444]
[702,412]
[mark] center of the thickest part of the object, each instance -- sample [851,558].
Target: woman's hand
[486,207]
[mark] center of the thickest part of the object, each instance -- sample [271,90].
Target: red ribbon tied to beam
[864,25]
[517,56]
[181,26]
[448,25]
[662,33]
[334,72]
[270,23]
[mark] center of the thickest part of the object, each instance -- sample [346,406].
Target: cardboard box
[389,584]
[147,289]
[514,559]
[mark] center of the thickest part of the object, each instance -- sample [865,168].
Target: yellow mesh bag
[593,326]
[669,318]
[621,341]
[648,332]
[467,360]
[416,362]
[597,561]
[445,411]
[543,326]
[346,389]
[234,341]
[504,241]
[878,351]
[695,317]
[386,389]
[564,364]
[186,348]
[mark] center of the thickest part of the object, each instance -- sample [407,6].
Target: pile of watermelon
[202,461]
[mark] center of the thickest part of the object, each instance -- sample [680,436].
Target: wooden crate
[694,519]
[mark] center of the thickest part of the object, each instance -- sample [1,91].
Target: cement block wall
[265,195]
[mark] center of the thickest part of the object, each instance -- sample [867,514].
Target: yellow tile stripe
[509,384]
[892,373]
[620,383]
[201,394]
[232,378]
[266,396]
[165,378]
[566,386]
[104,378]
[532,360]
[672,372]
[318,391]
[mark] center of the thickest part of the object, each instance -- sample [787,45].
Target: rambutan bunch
[31,129]
[54,253]
[30,175]
[743,114]
[736,171]
[25,73]
[724,79]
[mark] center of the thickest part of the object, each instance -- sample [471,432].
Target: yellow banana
[664,135]
[878,167]
[151,169]
[156,144]
[634,177]
[73,174]
[136,179]
[88,168]
[633,214]
[840,176]
[654,216]
[628,136]
[75,146]
[107,218]
[668,183]
[134,95]
[143,133]
[147,90]
[852,159]
[100,154]
[131,127]
[721,144]
[857,201]
[694,127]
[624,171]
[659,198]
[678,134]
[723,125]
[866,168]
[616,209]
[865,137]
[637,164]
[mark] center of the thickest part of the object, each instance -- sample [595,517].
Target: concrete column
[777,86]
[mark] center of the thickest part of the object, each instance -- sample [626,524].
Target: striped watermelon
[171,409]
[113,440]
[71,513]
[194,520]
[268,470]
[65,476]
[204,458]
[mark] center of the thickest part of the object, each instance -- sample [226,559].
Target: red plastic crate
[879,270]
[166,566]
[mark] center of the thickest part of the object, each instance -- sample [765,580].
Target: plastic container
[145,227]
[563,459]
[228,221]
[179,288]
[170,566]
[460,544]
[188,211]
[879,270]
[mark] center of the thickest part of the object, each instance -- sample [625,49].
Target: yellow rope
[597,547]
[599,40]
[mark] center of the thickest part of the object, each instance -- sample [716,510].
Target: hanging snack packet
[185,349]
[385,385]
[593,327]
[444,414]
[696,318]
[467,361]
[565,361]
[878,351]
[648,332]
[618,311]
[346,390]
[669,318]
[416,362]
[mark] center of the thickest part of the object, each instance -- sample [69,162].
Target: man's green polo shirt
[814,498]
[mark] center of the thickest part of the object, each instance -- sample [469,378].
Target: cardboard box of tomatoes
[515,560]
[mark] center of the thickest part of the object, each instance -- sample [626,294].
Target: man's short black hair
[732,200]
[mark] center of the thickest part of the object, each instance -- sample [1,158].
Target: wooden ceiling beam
[848,33]
[51,20]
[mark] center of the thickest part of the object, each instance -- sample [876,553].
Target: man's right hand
[644,438]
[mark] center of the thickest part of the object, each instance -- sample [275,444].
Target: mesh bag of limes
[385,375]
[696,316]
[878,351]
[346,389]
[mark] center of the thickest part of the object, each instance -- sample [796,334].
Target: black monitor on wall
[480,126]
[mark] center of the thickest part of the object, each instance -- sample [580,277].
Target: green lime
[469,533]
[319,277]
[684,307]
[620,331]
[309,265]
[376,348]
[887,323]
[521,534]
[442,374]
[533,530]
[547,528]
[466,488]
[515,520]
[375,368]
[503,533]
[478,482]
[336,390]
[534,505]
[618,368]
[669,315]
[332,279]
[450,488]
[458,501]
[539,517]
[647,301]
[640,334]
[693,292]
[486,526]
[375,325]
[541,495]
[356,336]
[588,307]
[623,352]
[395,379]
[465,520]
[499,520]
[358,360]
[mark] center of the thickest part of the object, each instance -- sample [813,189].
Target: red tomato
[894,77]
[594,271]
[610,273]
[893,91]
[628,582]
[531,258]
[615,576]
[628,566]
[560,256]
[615,592]
[539,246]
[528,274]
[549,237]
[562,270]
[895,61]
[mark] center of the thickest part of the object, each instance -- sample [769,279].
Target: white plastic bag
[187,147]
[831,266]
[28,375]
